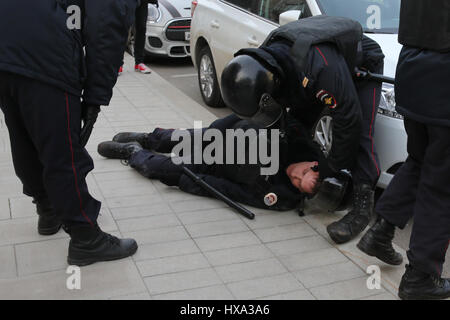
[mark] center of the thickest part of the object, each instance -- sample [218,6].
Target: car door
[236,26]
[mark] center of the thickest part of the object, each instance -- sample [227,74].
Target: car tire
[322,132]
[207,79]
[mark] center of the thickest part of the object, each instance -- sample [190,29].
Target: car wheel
[207,79]
[323,132]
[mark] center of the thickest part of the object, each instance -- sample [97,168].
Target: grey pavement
[189,247]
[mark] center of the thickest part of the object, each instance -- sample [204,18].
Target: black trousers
[141,29]
[160,166]
[421,190]
[44,127]
[367,169]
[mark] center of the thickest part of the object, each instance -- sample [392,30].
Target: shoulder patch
[327,99]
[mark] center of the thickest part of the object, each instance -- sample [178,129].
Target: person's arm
[105,33]
[334,89]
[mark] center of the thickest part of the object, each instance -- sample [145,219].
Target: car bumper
[156,43]
[390,142]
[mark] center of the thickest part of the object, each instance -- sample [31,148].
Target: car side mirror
[289,16]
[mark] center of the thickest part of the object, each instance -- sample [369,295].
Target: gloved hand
[89,114]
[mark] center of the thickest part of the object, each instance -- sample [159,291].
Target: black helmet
[249,85]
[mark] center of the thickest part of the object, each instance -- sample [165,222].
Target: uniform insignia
[270,199]
[327,99]
[305,82]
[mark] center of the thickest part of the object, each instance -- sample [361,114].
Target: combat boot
[377,242]
[356,220]
[89,244]
[125,137]
[418,285]
[49,222]
[117,150]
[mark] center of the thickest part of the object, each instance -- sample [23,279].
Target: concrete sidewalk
[189,247]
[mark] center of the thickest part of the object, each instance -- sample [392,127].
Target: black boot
[49,222]
[125,137]
[89,244]
[417,285]
[377,242]
[356,220]
[117,150]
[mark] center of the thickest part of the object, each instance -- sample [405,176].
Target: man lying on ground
[243,183]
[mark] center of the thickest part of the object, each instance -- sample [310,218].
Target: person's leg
[367,168]
[141,29]
[431,230]
[26,160]
[397,202]
[395,206]
[52,119]
[156,166]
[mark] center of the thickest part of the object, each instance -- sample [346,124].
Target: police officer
[239,182]
[311,63]
[420,188]
[57,67]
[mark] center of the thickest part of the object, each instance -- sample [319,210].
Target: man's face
[303,177]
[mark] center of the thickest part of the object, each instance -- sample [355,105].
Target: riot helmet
[250,85]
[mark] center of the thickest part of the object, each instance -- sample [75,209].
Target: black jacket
[422,86]
[37,43]
[329,87]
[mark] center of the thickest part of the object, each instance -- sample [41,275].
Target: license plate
[187,36]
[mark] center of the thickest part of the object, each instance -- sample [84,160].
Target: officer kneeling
[308,66]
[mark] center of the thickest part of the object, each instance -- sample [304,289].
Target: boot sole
[405,296]
[86,262]
[49,231]
[364,247]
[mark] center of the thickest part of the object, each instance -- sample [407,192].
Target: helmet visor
[269,112]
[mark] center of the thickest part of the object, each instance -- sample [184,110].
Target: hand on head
[303,177]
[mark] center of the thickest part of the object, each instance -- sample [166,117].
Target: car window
[271,9]
[249,5]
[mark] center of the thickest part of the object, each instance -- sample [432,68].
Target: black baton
[367,75]
[216,193]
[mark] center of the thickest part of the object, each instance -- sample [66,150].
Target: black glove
[89,114]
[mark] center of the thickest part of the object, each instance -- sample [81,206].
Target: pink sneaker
[142,68]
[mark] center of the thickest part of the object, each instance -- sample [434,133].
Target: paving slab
[165,249]
[175,264]
[217,292]
[346,290]
[182,281]
[250,270]
[8,268]
[264,287]
[238,255]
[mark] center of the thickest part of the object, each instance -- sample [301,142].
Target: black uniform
[235,181]
[352,104]
[44,73]
[420,188]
